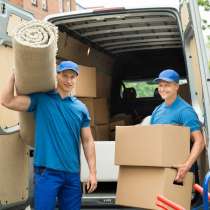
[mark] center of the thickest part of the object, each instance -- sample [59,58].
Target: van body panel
[14,155]
[198,72]
[10,18]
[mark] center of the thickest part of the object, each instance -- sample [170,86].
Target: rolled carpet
[35,48]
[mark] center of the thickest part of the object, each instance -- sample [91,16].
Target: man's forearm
[89,151]
[196,150]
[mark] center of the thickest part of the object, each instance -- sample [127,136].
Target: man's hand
[90,154]
[181,172]
[91,183]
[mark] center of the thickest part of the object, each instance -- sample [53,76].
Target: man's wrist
[188,165]
[93,172]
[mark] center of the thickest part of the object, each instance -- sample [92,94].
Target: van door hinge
[2,8]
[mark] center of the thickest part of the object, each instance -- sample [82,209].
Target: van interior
[132,47]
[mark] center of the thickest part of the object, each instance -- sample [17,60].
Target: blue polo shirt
[178,113]
[57,130]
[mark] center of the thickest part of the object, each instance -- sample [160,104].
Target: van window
[143,88]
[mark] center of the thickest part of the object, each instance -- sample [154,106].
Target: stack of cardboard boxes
[146,155]
[93,89]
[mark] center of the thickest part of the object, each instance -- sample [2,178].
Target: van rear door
[197,64]
[14,154]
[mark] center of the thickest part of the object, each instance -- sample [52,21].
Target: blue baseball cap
[67,65]
[168,75]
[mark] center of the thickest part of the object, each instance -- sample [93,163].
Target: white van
[131,46]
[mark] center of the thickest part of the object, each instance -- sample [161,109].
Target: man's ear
[57,75]
[57,78]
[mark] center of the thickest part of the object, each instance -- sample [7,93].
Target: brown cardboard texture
[153,145]
[92,83]
[100,132]
[14,155]
[98,109]
[86,82]
[139,187]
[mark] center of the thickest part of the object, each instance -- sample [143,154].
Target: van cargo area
[132,45]
[129,46]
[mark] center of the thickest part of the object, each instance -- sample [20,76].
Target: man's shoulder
[184,104]
[77,101]
[186,110]
[80,104]
[40,93]
[40,96]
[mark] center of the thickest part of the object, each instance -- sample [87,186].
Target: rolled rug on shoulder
[35,48]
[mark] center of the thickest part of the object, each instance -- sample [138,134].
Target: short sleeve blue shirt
[178,113]
[58,123]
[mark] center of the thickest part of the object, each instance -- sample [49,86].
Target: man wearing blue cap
[174,110]
[61,120]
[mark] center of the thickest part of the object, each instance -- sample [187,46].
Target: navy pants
[52,186]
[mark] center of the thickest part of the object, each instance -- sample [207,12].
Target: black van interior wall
[147,64]
[144,65]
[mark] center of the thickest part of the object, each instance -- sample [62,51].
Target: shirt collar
[55,92]
[174,103]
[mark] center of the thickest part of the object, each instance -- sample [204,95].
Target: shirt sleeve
[86,118]
[190,119]
[34,97]
[153,114]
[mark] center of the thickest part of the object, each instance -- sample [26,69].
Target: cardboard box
[91,83]
[139,187]
[100,132]
[86,82]
[107,171]
[98,109]
[152,145]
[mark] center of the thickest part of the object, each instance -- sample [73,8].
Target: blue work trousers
[53,186]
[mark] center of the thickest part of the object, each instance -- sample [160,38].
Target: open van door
[198,72]
[14,155]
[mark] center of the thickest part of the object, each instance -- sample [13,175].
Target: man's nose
[69,80]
